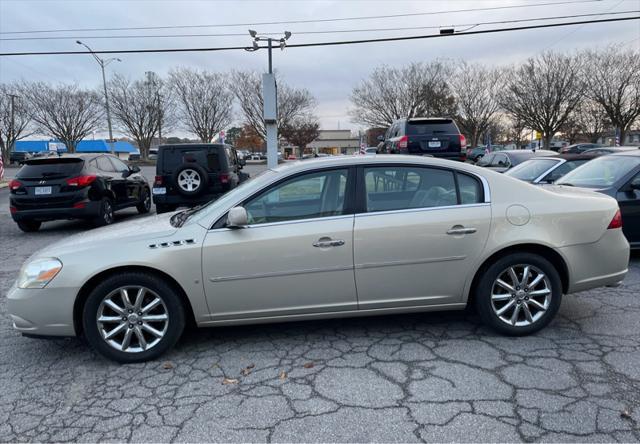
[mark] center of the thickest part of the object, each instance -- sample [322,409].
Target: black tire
[105,214]
[29,226]
[171,332]
[195,170]
[164,208]
[485,303]
[145,202]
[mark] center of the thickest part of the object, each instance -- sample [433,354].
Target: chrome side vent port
[189,241]
[176,243]
[153,246]
[164,244]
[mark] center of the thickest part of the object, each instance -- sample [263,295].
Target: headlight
[38,273]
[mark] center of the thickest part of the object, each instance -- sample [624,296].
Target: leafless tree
[543,92]
[416,90]
[515,129]
[612,77]
[292,102]
[65,112]
[476,90]
[138,108]
[204,101]
[14,123]
[301,131]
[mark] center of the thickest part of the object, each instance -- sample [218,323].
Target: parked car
[578,148]
[134,157]
[548,169]
[45,154]
[256,156]
[557,145]
[19,157]
[193,174]
[616,175]
[473,154]
[501,161]
[611,149]
[422,135]
[75,186]
[413,234]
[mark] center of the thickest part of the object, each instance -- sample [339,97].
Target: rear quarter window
[50,168]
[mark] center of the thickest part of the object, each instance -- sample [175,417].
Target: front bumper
[42,311]
[605,262]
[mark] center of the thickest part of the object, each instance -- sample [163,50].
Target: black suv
[193,174]
[75,186]
[421,136]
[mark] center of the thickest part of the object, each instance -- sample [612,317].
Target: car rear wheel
[29,226]
[145,202]
[105,215]
[133,317]
[519,294]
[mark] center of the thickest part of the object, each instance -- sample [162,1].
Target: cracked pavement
[423,377]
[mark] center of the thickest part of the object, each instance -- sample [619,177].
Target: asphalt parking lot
[428,377]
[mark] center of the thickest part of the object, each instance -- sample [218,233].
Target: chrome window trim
[285,222]
[422,209]
[550,170]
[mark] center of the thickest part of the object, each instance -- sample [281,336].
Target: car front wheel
[519,294]
[133,317]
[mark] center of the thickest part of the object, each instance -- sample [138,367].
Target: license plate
[43,190]
[159,191]
[434,144]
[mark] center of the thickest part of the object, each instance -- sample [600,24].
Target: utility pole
[11,134]
[103,63]
[270,95]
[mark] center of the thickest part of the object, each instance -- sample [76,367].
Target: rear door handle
[326,243]
[459,229]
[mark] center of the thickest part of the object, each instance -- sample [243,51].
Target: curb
[4,185]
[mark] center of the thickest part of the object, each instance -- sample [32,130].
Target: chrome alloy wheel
[107,212]
[132,325]
[521,295]
[189,180]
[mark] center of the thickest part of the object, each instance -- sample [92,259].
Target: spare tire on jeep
[190,179]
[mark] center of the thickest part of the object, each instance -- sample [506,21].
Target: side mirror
[237,218]
[380,138]
[134,169]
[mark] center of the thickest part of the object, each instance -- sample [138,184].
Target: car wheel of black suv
[519,294]
[190,179]
[105,216]
[145,202]
[133,317]
[29,226]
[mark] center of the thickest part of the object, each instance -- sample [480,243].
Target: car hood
[151,227]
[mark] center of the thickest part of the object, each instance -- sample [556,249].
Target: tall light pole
[103,63]
[270,95]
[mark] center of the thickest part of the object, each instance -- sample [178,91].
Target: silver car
[336,237]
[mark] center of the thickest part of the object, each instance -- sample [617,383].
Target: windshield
[601,172]
[531,169]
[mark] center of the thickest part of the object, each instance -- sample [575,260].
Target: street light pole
[103,63]
[269,96]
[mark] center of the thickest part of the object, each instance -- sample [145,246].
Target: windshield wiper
[178,219]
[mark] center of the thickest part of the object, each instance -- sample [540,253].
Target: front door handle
[325,242]
[459,229]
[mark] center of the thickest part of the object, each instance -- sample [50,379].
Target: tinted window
[311,195]
[206,157]
[50,168]
[531,169]
[564,169]
[118,164]
[500,160]
[486,159]
[601,172]
[105,165]
[470,189]
[395,188]
[444,126]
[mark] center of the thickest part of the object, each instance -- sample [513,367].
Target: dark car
[502,161]
[611,149]
[19,157]
[578,148]
[548,169]
[193,174]
[418,136]
[617,175]
[75,186]
[473,154]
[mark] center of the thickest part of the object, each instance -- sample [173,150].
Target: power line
[405,28]
[289,22]
[334,43]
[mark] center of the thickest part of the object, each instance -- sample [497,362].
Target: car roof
[82,156]
[633,153]
[191,145]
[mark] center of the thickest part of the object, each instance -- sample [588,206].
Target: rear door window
[50,168]
[206,157]
[444,126]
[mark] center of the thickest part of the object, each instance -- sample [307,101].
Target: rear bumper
[601,263]
[90,209]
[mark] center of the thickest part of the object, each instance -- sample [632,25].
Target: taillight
[224,178]
[13,210]
[463,143]
[403,142]
[158,180]
[81,181]
[80,205]
[15,184]
[616,222]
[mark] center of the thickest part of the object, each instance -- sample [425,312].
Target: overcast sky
[328,72]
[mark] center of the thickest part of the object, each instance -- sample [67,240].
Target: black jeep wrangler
[193,174]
